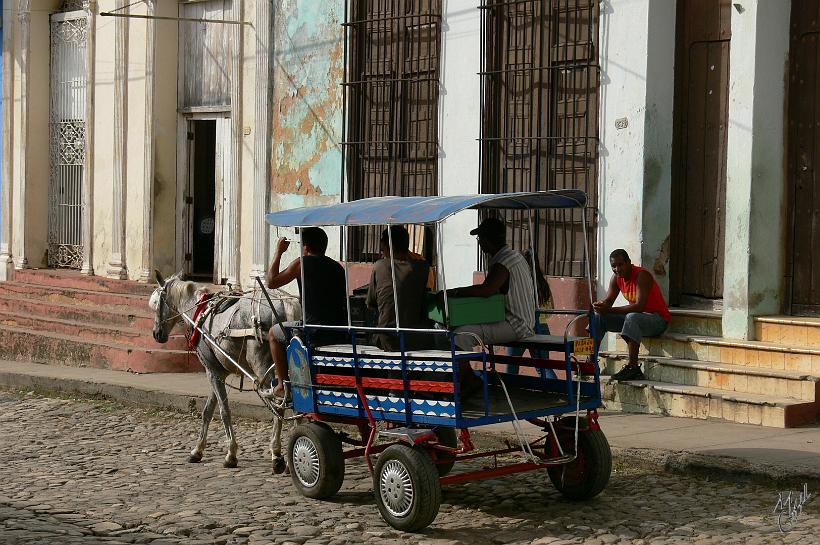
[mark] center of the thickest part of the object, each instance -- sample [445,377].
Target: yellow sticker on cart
[582,347]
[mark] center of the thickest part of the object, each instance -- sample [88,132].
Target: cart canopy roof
[404,210]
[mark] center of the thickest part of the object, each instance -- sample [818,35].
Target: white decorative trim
[116,264]
[19,242]
[88,173]
[6,262]
[148,182]
[261,150]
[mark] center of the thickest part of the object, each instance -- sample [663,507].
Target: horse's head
[165,307]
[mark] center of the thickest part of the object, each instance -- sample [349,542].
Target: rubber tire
[426,487]
[589,474]
[331,460]
[447,437]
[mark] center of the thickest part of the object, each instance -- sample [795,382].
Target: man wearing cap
[508,274]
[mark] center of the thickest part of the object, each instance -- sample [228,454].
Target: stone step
[131,336]
[696,322]
[739,352]
[54,348]
[788,330]
[75,296]
[73,279]
[646,396]
[723,376]
[134,317]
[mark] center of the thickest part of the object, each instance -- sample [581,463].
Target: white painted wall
[459,129]
[637,87]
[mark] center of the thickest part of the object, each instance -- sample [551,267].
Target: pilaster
[754,263]
[6,261]
[148,204]
[231,251]
[261,150]
[116,264]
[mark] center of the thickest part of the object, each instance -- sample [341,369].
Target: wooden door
[803,158]
[699,148]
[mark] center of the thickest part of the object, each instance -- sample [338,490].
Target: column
[19,202]
[116,264]
[261,150]
[755,185]
[148,206]
[6,262]
[88,172]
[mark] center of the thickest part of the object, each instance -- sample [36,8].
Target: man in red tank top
[646,315]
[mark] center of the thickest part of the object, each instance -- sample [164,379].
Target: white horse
[249,318]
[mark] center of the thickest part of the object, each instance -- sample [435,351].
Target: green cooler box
[467,310]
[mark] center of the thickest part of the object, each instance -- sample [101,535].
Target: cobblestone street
[95,472]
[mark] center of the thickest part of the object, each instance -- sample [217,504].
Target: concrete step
[73,279]
[723,376]
[131,336]
[75,296]
[788,330]
[717,349]
[134,317]
[646,396]
[19,344]
[696,322]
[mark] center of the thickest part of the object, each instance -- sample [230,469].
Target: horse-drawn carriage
[414,422]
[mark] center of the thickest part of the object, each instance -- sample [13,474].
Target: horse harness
[209,305]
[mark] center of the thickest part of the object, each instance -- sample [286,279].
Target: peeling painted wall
[308,100]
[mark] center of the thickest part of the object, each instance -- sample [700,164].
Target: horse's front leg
[278,460]
[207,416]
[218,386]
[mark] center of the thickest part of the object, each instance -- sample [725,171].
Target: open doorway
[201,200]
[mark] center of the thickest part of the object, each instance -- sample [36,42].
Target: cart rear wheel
[588,474]
[316,460]
[449,438]
[408,493]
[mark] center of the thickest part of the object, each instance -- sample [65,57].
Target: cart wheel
[317,464]
[407,490]
[447,437]
[588,474]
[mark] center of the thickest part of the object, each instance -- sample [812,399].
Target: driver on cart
[509,275]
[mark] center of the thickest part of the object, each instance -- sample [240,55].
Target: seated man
[323,295]
[411,287]
[508,274]
[645,315]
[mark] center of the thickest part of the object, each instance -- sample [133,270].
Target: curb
[709,466]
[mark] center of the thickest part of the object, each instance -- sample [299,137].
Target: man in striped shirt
[508,274]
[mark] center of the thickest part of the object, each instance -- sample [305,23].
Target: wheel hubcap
[306,462]
[396,488]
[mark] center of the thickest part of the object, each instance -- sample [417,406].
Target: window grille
[392,84]
[540,80]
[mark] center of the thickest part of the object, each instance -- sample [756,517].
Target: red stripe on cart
[384,383]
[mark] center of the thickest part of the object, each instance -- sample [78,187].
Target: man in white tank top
[508,274]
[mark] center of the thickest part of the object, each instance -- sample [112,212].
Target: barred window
[540,80]
[391,136]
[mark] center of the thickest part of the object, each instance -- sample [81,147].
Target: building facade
[161,142]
